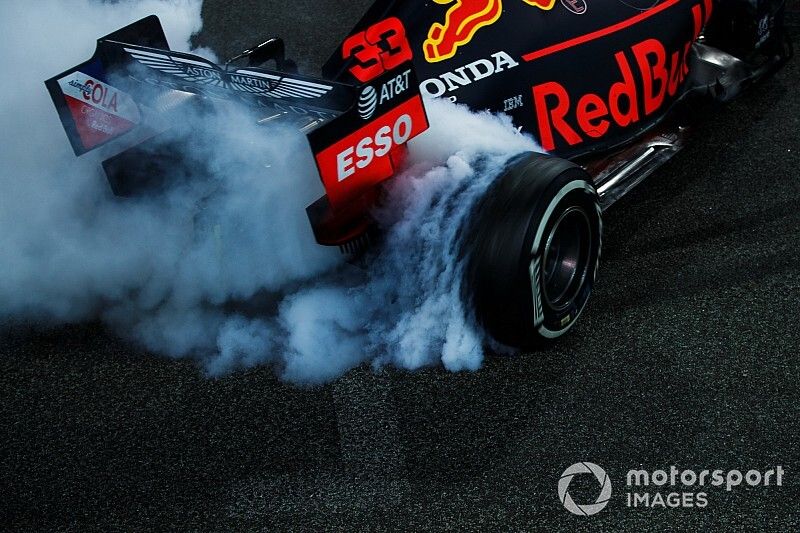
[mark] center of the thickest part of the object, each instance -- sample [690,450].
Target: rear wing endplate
[357,133]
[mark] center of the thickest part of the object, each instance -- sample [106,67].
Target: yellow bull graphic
[462,22]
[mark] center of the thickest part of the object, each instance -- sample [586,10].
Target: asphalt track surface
[688,355]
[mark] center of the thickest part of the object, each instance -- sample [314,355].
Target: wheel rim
[566,258]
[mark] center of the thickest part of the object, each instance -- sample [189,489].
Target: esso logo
[367,149]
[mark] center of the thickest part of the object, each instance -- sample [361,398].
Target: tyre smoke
[222,266]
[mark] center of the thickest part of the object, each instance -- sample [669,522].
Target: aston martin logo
[196,70]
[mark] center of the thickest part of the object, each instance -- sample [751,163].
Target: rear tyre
[533,248]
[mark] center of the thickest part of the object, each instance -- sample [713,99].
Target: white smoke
[409,310]
[223,266]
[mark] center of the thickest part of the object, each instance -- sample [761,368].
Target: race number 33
[381,47]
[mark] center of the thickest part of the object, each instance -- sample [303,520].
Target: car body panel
[580,76]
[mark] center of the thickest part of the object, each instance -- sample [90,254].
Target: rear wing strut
[116,101]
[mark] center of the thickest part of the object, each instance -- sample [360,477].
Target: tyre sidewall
[570,189]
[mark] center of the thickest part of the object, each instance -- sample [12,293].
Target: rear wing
[118,98]
[123,84]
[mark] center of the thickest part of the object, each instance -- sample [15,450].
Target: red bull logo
[565,117]
[462,22]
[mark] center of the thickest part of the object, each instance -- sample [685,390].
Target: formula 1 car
[606,88]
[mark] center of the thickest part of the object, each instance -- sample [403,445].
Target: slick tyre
[532,250]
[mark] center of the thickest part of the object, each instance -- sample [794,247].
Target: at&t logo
[367,102]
